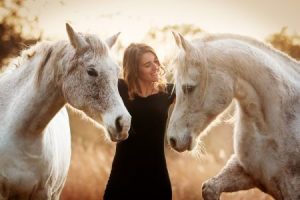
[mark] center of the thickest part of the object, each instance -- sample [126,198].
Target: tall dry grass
[92,157]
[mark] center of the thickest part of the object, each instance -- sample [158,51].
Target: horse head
[90,83]
[202,92]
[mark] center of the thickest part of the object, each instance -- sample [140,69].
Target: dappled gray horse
[35,151]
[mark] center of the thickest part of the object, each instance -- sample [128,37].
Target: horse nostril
[118,124]
[173,142]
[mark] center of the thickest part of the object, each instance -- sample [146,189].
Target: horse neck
[34,103]
[266,84]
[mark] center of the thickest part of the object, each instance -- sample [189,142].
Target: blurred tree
[13,22]
[289,44]
[183,29]
[162,34]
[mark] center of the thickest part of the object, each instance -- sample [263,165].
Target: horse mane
[47,50]
[206,38]
[28,54]
[41,51]
[98,46]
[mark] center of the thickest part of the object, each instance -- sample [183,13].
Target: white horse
[265,84]
[35,154]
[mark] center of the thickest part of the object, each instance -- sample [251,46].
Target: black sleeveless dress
[139,169]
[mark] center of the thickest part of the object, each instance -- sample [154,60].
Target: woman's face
[148,68]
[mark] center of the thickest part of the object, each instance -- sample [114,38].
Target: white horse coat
[265,84]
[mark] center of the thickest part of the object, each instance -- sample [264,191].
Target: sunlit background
[256,18]
[25,22]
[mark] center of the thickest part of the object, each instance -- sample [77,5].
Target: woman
[139,168]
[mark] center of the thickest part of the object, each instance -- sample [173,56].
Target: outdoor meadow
[92,154]
[92,157]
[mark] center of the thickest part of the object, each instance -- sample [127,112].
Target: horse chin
[187,147]
[115,136]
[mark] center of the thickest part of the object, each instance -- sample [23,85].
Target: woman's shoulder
[122,84]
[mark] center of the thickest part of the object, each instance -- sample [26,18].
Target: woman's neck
[147,88]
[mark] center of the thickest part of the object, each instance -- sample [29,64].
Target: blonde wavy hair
[131,60]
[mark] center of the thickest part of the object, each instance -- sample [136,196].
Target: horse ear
[112,40]
[186,45]
[76,40]
[177,39]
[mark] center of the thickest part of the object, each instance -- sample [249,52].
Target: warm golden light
[134,18]
[143,21]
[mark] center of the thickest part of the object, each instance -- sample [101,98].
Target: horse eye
[92,72]
[187,89]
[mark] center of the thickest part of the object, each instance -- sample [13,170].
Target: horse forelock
[195,58]
[96,45]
